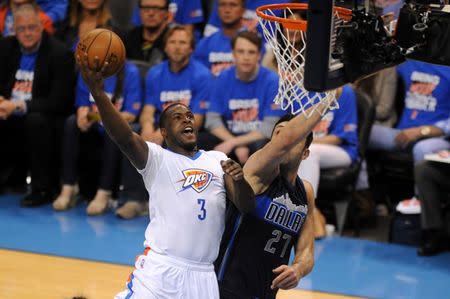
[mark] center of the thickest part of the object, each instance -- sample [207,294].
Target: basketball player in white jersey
[188,190]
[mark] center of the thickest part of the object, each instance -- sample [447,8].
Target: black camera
[423,31]
[365,46]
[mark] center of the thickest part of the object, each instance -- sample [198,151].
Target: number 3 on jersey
[202,214]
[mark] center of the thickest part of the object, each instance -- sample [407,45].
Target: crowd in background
[210,56]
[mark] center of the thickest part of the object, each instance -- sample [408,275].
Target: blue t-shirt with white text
[427,94]
[342,123]
[24,78]
[190,86]
[243,105]
[131,99]
[215,52]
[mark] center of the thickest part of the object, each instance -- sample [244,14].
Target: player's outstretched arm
[289,276]
[238,190]
[262,166]
[130,143]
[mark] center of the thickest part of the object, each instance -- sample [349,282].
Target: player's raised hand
[287,277]
[233,169]
[92,77]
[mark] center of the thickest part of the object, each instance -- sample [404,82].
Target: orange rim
[343,13]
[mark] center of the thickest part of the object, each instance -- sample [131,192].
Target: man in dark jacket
[36,94]
[145,42]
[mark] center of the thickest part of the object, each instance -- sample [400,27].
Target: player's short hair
[252,37]
[163,116]
[178,27]
[288,117]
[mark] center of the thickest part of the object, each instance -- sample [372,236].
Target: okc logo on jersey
[197,179]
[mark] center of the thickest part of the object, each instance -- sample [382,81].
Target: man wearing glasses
[145,42]
[184,12]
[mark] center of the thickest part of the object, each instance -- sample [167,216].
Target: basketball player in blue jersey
[254,255]
[188,190]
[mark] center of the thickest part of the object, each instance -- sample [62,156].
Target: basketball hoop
[286,35]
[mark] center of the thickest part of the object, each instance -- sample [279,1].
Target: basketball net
[289,47]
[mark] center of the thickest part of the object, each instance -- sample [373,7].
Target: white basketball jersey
[187,203]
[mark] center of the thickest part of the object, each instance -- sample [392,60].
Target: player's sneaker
[409,206]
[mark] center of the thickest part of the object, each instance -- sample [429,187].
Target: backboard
[339,51]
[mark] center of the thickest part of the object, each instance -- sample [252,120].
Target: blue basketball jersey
[256,243]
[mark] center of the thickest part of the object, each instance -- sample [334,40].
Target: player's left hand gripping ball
[233,169]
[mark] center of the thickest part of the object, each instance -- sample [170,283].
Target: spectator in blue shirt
[177,79]
[85,129]
[242,112]
[427,106]
[421,127]
[215,51]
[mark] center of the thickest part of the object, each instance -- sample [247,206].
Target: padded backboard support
[318,76]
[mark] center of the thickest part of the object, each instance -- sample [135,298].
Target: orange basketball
[107,46]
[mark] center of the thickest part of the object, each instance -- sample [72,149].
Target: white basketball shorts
[159,276]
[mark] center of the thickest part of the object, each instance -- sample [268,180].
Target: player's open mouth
[188,131]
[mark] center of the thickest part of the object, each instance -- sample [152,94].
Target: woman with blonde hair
[83,16]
